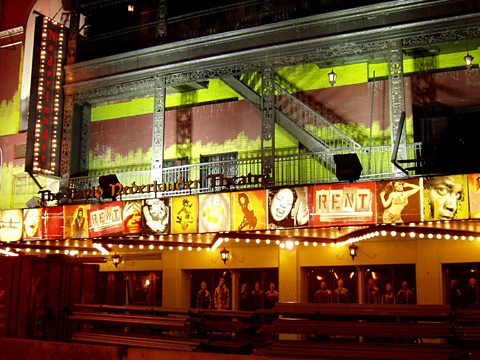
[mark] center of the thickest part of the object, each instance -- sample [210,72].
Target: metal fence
[295,169]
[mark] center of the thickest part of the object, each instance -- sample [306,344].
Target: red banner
[105,219]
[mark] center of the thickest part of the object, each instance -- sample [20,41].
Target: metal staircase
[312,130]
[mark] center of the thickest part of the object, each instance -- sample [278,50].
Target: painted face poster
[343,204]
[75,220]
[32,224]
[105,219]
[11,225]
[398,201]
[53,221]
[248,210]
[445,197]
[214,212]
[288,208]
[185,214]
[132,217]
[156,216]
[474,195]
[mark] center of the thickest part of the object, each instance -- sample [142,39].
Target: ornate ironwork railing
[296,169]
[311,121]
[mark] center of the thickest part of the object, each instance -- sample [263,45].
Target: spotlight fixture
[332,78]
[353,250]
[224,255]
[468,60]
[116,259]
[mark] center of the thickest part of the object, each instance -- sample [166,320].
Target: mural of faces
[156,215]
[288,207]
[132,217]
[446,197]
[32,221]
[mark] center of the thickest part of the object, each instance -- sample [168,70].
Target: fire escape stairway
[310,128]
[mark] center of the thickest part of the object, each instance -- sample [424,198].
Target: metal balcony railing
[295,169]
[236,16]
[311,121]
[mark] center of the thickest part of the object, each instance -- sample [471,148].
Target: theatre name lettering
[216,182]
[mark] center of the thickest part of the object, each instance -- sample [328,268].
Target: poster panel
[445,197]
[53,221]
[33,224]
[11,225]
[249,210]
[185,214]
[214,212]
[76,221]
[288,207]
[398,201]
[156,216]
[343,204]
[132,217]
[105,219]
[474,195]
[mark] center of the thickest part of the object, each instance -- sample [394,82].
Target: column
[397,94]
[268,123]
[158,133]
[66,146]
[86,111]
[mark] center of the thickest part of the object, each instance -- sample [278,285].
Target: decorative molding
[396,92]
[158,133]
[9,33]
[268,122]
[66,146]
[85,138]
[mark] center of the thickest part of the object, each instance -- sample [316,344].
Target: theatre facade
[291,154]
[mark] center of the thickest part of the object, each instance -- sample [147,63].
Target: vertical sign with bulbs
[46,98]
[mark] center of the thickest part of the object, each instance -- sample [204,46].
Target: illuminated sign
[340,204]
[105,219]
[46,98]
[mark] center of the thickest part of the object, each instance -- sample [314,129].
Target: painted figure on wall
[221,295]
[204,298]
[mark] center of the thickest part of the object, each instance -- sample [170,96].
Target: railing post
[158,133]
[268,123]
[397,94]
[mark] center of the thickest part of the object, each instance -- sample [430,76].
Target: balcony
[143,33]
[290,170]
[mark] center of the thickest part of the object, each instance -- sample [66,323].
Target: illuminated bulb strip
[217,244]
[7,253]
[100,248]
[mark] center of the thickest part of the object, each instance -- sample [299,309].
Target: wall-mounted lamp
[131,8]
[353,250]
[116,259]
[468,60]
[332,77]
[224,255]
